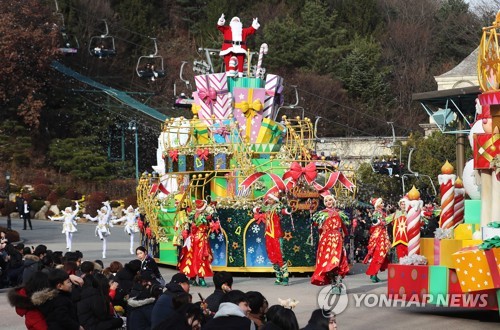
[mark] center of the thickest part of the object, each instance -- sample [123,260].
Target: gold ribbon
[250,110]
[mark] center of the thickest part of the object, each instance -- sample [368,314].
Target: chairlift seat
[103,52]
[443,117]
[145,73]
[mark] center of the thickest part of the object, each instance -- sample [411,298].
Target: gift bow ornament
[332,180]
[490,243]
[259,217]
[222,131]
[215,226]
[250,110]
[174,154]
[296,172]
[203,153]
[209,95]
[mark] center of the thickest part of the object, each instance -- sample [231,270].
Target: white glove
[50,218]
[255,23]
[221,20]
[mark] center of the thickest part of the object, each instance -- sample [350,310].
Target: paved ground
[362,317]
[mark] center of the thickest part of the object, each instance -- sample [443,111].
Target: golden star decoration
[229,220]
[296,248]
[288,236]
[235,245]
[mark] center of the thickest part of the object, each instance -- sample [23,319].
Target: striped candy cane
[413,226]
[263,50]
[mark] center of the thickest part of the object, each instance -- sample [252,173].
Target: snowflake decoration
[220,237]
[255,229]
[260,259]
[221,255]
[216,246]
[250,250]
[212,236]
[258,240]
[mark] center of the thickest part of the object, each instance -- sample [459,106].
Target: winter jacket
[57,308]
[125,280]
[150,264]
[139,313]
[163,308]
[33,318]
[32,264]
[94,312]
[213,300]
[229,317]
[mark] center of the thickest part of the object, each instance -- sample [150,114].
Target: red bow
[223,131]
[296,171]
[215,226]
[202,154]
[208,95]
[174,154]
[259,217]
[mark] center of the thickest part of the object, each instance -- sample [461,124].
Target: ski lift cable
[351,108]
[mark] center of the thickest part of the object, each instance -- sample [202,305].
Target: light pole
[7,179]
[132,125]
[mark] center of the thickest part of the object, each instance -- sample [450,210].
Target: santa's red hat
[376,202]
[200,205]
[273,195]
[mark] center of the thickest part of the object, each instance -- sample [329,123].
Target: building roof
[468,67]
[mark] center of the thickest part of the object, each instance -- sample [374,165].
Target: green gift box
[472,211]
[233,82]
[269,132]
[438,284]
[168,253]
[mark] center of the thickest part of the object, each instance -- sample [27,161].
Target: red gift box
[486,147]
[406,281]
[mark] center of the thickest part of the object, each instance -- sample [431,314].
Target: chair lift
[294,106]
[416,175]
[390,145]
[69,43]
[182,100]
[151,66]
[103,45]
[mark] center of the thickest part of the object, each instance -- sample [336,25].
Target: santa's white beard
[236,30]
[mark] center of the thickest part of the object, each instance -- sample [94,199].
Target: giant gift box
[244,82]
[248,105]
[225,131]
[465,230]
[477,270]
[200,133]
[212,96]
[269,132]
[407,282]
[274,95]
[472,213]
[439,252]
[486,147]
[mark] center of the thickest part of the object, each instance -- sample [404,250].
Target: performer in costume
[196,255]
[272,209]
[331,257]
[399,235]
[379,243]
[103,223]
[131,226]
[235,37]
[69,225]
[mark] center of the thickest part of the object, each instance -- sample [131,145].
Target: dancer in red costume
[399,235]
[331,258]
[272,209]
[379,243]
[196,255]
[235,37]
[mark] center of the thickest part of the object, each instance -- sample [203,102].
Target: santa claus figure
[235,37]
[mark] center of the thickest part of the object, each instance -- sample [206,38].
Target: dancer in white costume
[69,225]
[131,227]
[103,223]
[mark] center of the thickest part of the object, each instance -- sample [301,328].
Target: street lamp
[132,125]
[7,179]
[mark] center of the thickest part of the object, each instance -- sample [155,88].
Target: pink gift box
[213,96]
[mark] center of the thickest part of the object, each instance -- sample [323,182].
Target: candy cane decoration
[458,206]
[414,212]
[446,181]
[263,50]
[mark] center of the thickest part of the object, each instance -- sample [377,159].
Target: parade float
[233,150]
[460,266]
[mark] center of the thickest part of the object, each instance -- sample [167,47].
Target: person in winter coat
[149,264]
[232,313]
[32,264]
[164,308]
[95,311]
[20,299]
[142,300]
[125,279]
[55,302]
[321,320]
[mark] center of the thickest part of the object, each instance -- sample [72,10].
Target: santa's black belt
[237,43]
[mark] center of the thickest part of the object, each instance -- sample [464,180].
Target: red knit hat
[376,201]
[200,205]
